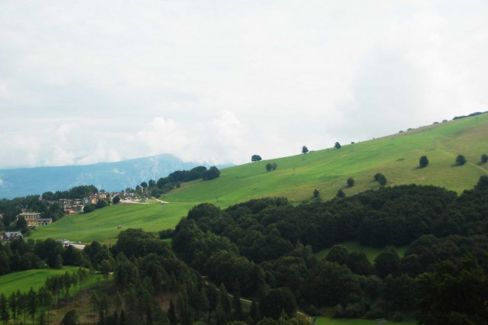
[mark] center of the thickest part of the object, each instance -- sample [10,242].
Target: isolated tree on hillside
[337,145]
[380,178]
[271,166]
[423,162]
[304,149]
[484,158]
[316,193]
[460,160]
[256,158]
[341,194]
[350,182]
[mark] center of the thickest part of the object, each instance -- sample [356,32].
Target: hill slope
[114,176]
[297,176]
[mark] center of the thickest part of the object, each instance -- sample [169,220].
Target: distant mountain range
[108,176]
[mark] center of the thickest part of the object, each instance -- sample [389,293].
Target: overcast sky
[216,81]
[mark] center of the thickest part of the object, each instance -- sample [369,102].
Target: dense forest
[269,244]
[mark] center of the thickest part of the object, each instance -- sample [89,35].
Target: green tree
[21,224]
[212,173]
[224,299]
[423,162]
[304,149]
[340,194]
[484,158]
[337,145]
[172,313]
[256,158]
[4,314]
[32,303]
[380,178]
[316,193]
[482,183]
[350,182]
[116,199]
[388,262]
[460,160]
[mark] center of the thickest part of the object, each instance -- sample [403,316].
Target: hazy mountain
[109,176]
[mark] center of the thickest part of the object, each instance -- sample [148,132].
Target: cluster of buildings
[75,206]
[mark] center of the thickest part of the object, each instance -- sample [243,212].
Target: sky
[217,81]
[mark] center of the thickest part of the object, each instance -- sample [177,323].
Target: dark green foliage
[277,301]
[21,224]
[337,145]
[482,184]
[350,182]
[271,166]
[116,199]
[460,160]
[340,194]
[388,262]
[89,208]
[211,173]
[484,158]
[423,162]
[380,178]
[172,313]
[304,149]
[316,194]
[256,158]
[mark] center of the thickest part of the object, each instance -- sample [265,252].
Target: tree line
[36,304]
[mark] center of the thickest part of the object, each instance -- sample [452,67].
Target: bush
[423,162]
[341,194]
[484,158]
[304,149]
[211,173]
[271,166]
[380,178]
[337,145]
[116,200]
[316,193]
[460,160]
[88,208]
[350,182]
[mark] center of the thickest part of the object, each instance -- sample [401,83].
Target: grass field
[24,280]
[371,252]
[335,321]
[297,176]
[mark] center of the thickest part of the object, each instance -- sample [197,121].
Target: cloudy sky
[88,81]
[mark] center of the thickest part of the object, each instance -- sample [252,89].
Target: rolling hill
[296,177]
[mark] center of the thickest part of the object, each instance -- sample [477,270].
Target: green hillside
[297,176]
[24,280]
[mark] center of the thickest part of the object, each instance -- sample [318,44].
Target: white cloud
[218,81]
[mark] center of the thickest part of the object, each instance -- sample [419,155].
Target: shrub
[116,199]
[316,193]
[484,158]
[460,160]
[341,194]
[211,173]
[380,178]
[271,166]
[337,145]
[88,208]
[304,149]
[350,182]
[423,162]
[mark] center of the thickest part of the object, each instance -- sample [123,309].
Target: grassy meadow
[297,176]
[24,280]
